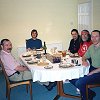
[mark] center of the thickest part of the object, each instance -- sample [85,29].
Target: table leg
[60,92]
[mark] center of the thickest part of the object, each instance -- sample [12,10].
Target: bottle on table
[45,48]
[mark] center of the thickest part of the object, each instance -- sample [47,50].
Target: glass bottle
[45,48]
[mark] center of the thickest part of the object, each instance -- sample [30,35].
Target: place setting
[65,65]
[75,62]
[48,67]
[28,59]
[27,54]
[32,62]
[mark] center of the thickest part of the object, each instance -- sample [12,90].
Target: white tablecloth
[39,73]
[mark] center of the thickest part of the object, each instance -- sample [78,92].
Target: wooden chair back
[10,84]
[5,75]
[90,86]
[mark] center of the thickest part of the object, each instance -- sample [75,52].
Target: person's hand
[25,68]
[29,49]
[85,63]
[21,68]
[92,72]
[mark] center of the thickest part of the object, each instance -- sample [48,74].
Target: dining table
[43,69]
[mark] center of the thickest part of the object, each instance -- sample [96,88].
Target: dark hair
[96,31]
[2,41]
[85,31]
[75,31]
[89,36]
[34,31]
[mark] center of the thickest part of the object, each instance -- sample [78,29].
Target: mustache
[9,49]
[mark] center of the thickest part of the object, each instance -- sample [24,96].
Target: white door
[85,16]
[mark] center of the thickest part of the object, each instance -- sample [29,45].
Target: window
[85,16]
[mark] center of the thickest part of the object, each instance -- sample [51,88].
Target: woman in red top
[85,42]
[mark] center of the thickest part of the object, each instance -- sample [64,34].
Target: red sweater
[83,48]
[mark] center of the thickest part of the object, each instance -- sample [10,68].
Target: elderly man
[14,70]
[93,77]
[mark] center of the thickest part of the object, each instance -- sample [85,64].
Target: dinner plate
[60,51]
[39,49]
[26,55]
[48,67]
[28,59]
[31,62]
[66,65]
[74,56]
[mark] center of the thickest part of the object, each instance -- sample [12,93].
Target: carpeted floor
[39,92]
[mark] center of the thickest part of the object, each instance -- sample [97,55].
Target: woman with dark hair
[85,42]
[75,42]
[34,42]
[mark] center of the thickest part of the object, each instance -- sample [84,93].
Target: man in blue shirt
[33,43]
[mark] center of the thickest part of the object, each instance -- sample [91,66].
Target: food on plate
[65,65]
[48,67]
[42,64]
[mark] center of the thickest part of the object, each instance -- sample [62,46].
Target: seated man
[93,77]
[33,43]
[75,42]
[14,70]
[85,42]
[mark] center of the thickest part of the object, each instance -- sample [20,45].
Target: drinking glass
[63,53]
[44,58]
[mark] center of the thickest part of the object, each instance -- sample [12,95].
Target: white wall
[52,18]
[96,14]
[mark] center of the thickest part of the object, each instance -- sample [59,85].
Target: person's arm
[94,71]
[29,49]
[21,68]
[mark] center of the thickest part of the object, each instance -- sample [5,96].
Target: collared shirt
[33,43]
[9,62]
[94,54]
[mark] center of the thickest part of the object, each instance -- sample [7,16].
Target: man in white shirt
[14,70]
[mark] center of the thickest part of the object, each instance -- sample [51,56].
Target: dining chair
[90,86]
[26,42]
[11,84]
[0,47]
